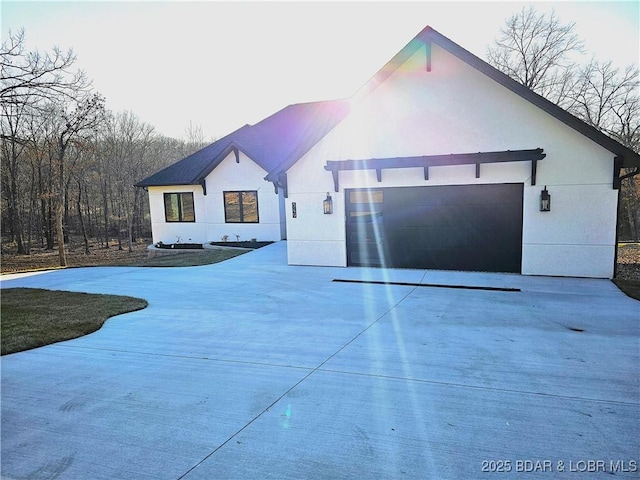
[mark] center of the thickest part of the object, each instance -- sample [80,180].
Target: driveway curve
[255,369]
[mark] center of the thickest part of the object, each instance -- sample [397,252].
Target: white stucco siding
[456,109]
[311,223]
[245,175]
[576,238]
[591,261]
[172,232]
[210,222]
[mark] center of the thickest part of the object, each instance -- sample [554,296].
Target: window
[366,203]
[178,207]
[366,196]
[241,207]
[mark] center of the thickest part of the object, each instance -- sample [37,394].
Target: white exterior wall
[456,109]
[209,209]
[172,232]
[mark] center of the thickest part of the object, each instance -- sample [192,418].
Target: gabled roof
[294,128]
[279,141]
[627,157]
[428,34]
[188,170]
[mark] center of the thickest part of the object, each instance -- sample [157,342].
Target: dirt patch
[628,267]
[98,256]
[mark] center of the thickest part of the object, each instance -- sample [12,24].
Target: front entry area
[448,227]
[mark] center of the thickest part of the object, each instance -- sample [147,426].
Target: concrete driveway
[252,369]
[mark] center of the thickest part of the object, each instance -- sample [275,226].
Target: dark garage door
[461,227]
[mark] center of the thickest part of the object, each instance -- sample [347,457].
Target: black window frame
[241,215]
[180,203]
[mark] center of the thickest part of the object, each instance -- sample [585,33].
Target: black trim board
[428,36]
[427,161]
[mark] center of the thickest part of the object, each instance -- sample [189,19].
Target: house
[439,161]
[220,191]
[444,162]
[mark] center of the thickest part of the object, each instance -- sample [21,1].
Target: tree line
[545,54]
[68,163]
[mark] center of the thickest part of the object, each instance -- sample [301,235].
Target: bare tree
[59,176]
[607,98]
[12,146]
[75,118]
[537,50]
[33,78]
[195,139]
[29,83]
[125,147]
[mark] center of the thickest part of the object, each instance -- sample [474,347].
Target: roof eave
[275,174]
[163,184]
[631,159]
[217,160]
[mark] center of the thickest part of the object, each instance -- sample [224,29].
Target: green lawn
[33,317]
[191,259]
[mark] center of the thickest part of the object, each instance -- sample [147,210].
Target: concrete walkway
[252,369]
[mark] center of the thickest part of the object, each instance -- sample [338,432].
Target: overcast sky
[221,65]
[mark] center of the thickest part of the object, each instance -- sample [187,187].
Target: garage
[392,184]
[459,227]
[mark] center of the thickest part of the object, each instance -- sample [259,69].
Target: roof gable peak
[428,35]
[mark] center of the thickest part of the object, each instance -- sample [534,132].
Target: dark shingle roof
[279,141]
[629,158]
[188,170]
[268,142]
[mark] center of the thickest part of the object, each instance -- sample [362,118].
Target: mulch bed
[244,244]
[179,246]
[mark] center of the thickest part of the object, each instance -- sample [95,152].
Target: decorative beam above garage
[379,164]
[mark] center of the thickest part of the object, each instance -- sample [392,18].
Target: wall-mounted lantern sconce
[545,200]
[327,204]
